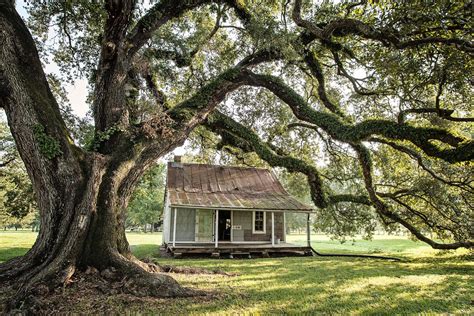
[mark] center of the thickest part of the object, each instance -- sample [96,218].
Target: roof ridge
[220,166]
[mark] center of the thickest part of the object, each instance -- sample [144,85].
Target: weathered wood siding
[166,220]
[245,220]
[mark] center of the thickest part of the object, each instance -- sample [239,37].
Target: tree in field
[371,101]
[17,204]
[146,203]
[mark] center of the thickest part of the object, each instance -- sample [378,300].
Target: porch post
[231,225]
[273,229]
[308,231]
[217,229]
[174,226]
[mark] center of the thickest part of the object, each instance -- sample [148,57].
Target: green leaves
[146,204]
[48,146]
[17,203]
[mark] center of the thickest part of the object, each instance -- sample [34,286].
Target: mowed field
[426,281]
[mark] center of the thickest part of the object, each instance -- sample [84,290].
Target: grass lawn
[428,282]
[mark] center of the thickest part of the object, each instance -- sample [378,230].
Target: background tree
[17,204]
[338,92]
[146,204]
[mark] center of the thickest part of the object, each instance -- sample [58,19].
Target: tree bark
[81,195]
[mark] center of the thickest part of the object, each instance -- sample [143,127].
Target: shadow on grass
[312,285]
[317,285]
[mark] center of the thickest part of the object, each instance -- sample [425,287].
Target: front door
[225,224]
[204,225]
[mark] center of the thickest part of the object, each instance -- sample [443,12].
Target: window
[258,222]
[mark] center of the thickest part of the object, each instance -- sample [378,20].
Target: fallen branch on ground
[354,255]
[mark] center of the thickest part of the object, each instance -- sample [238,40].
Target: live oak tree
[371,101]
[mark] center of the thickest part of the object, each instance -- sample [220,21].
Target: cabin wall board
[245,220]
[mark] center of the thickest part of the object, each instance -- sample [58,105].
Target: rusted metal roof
[210,186]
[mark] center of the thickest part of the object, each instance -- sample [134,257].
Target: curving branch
[347,26]
[237,135]
[383,209]
[181,119]
[442,113]
[166,10]
[413,154]
[316,70]
[458,148]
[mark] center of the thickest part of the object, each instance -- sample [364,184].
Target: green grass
[429,282]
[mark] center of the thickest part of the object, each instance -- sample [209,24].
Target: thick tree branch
[413,154]
[347,26]
[463,149]
[316,70]
[109,105]
[442,113]
[237,135]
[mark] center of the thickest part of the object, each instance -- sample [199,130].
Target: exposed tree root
[92,291]
[125,276]
[156,267]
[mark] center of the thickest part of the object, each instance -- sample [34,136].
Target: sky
[77,93]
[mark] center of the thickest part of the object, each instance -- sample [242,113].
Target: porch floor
[235,248]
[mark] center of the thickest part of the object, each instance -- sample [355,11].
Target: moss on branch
[208,95]
[454,148]
[237,135]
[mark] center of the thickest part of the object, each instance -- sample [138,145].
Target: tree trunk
[81,195]
[88,231]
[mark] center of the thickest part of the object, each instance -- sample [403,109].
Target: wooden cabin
[223,210]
